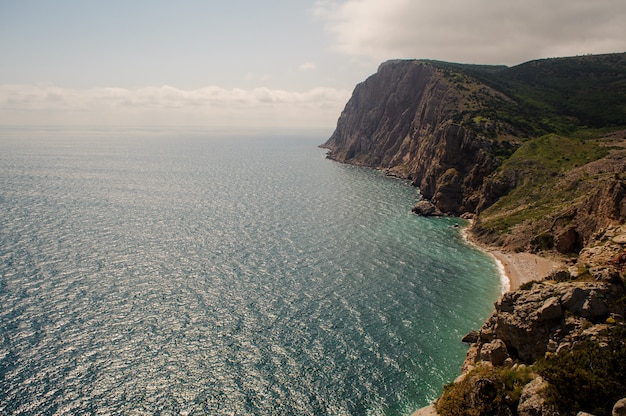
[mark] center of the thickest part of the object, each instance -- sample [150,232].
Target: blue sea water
[192,274]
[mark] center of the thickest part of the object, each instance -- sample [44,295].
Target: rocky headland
[535,156]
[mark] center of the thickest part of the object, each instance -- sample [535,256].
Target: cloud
[166,105]
[251,76]
[474,31]
[307,66]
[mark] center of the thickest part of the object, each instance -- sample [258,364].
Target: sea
[214,273]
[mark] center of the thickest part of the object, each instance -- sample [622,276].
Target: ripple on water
[211,276]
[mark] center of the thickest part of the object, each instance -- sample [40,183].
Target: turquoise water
[191,274]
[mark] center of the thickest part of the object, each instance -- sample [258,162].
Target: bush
[529,285]
[590,378]
[485,390]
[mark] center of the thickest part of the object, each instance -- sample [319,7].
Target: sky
[275,64]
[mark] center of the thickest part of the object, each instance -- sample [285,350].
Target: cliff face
[510,146]
[514,148]
[405,118]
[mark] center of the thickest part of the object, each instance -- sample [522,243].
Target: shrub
[590,378]
[485,390]
[529,285]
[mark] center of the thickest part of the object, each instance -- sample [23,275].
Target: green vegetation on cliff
[541,186]
[557,95]
[558,128]
[589,378]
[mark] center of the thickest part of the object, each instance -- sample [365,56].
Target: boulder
[595,307]
[551,310]
[532,402]
[574,298]
[494,352]
[620,408]
[426,208]
[471,337]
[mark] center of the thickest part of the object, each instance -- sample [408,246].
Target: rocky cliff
[536,155]
[407,119]
[525,149]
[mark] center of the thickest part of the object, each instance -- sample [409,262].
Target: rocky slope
[469,136]
[536,155]
[405,118]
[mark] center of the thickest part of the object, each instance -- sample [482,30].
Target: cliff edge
[406,119]
[536,155]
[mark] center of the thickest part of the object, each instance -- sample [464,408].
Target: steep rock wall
[405,118]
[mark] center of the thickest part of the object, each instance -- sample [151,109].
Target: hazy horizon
[284,65]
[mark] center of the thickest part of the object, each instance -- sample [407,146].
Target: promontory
[535,156]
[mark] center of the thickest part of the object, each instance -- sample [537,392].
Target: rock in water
[426,208]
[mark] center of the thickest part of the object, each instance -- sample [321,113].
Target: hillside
[488,141]
[536,155]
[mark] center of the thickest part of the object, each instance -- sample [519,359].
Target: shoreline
[520,268]
[516,268]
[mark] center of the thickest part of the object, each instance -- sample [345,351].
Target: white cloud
[307,66]
[251,76]
[166,105]
[475,31]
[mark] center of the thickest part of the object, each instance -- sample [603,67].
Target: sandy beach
[518,268]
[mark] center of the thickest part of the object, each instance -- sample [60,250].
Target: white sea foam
[505,282]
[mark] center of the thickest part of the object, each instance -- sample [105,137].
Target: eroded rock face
[528,323]
[405,119]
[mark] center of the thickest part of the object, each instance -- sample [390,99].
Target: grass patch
[535,170]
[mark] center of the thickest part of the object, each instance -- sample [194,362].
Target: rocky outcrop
[533,401]
[407,119]
[527,324]
[426,208]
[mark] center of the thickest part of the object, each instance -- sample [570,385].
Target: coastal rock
[528,323]
[406,118]
[426,208]
[551,310]
[470,337]
[495,352]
